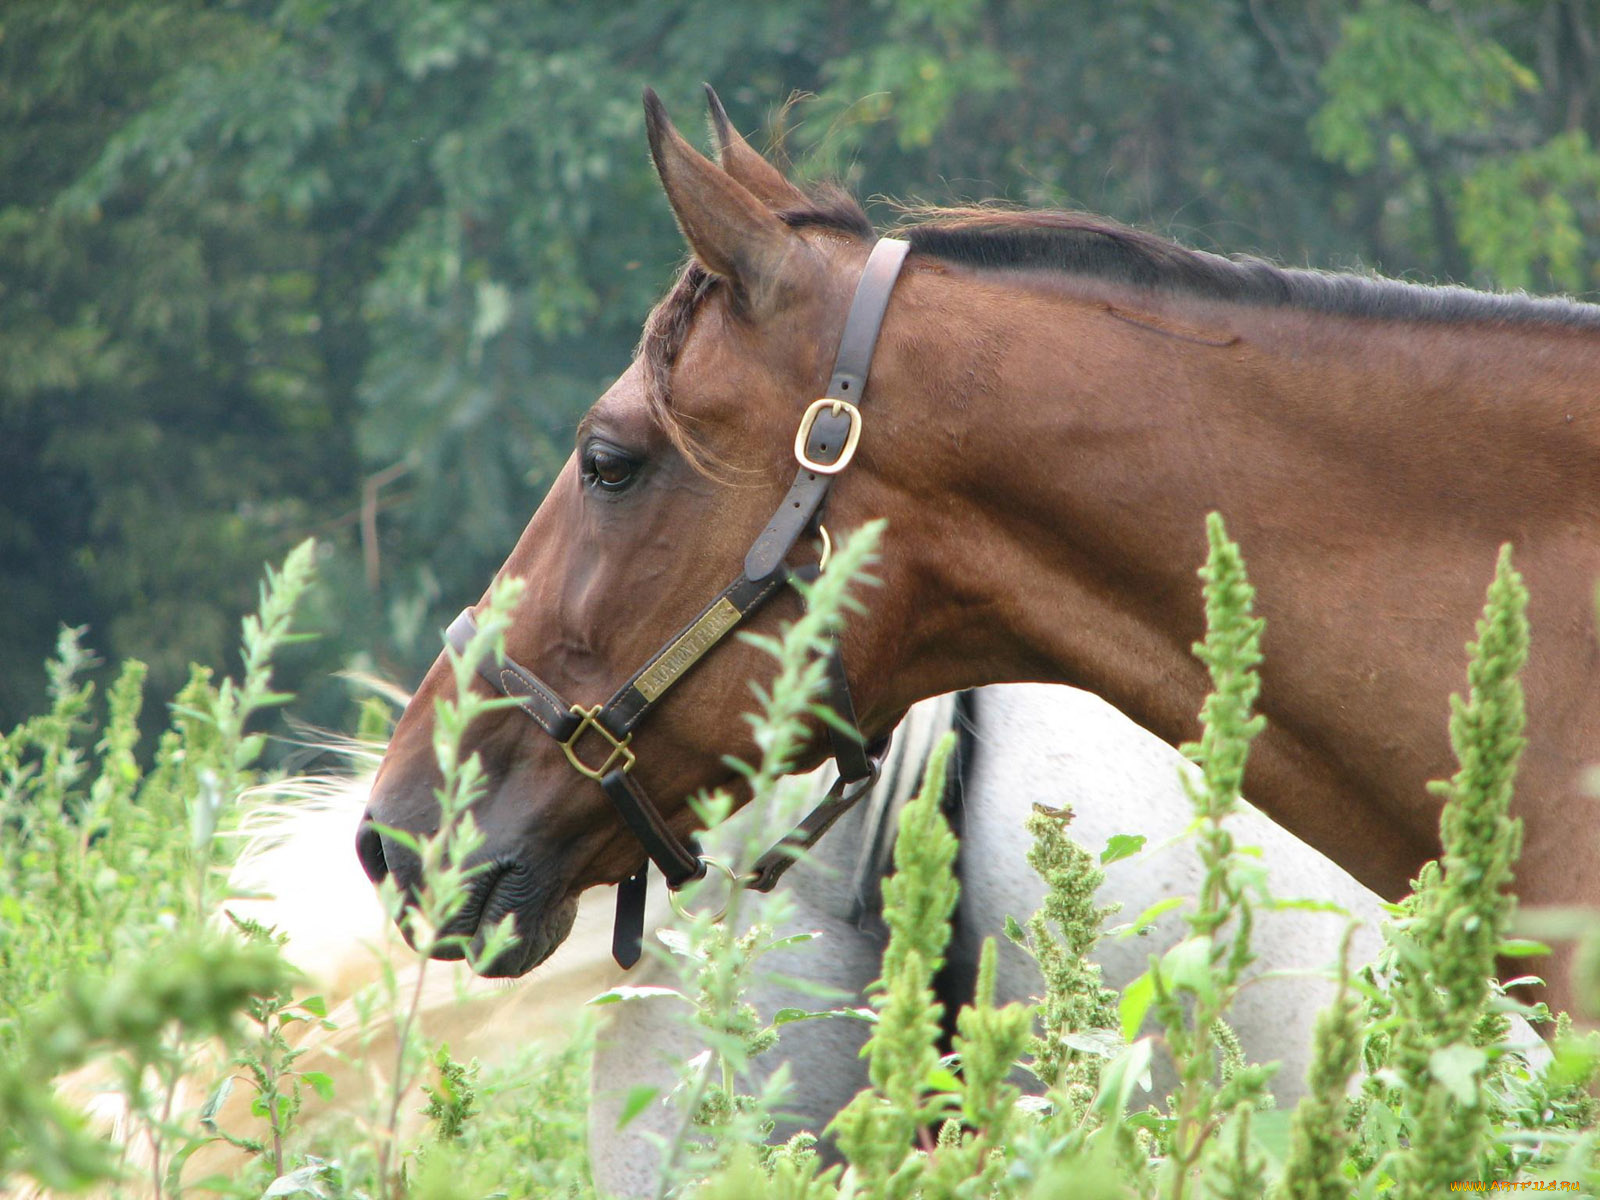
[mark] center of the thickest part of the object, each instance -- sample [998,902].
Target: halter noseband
[824,444]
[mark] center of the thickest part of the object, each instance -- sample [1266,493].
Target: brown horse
[1055,404]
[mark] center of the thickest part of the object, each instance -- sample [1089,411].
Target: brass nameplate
[686,651]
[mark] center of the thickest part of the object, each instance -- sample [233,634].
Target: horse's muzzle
[496,890]
[369,850]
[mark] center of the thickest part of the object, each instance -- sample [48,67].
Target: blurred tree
[164,425]
[1475,123]
[354,267]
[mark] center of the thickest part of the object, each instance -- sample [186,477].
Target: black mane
[1085,245]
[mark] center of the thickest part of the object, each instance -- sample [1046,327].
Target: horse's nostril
[369,849]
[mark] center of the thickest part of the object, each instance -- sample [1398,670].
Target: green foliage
[1524,217]
[1314,1167]
[94,856]
[104,947]
[113,959]
[718,958]
[929,60]
[529,1136]
[1195,982]
[283,267]
[1442,103]
[1401,60]
[164,422]
[877,1130]
[452,1099]
[135,979]
[1077,1016]
[191,983]
[269,1058]
[1442,1045]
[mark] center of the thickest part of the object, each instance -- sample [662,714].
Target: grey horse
[1024,744]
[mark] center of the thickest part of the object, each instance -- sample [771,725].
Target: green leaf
[1127,1071]
[297,1183]
[1521,948]
[787,1016]
[1136,999]
[794,939]
[1457,1067]
[1100,1043]
[214,1102]
[1187,967]
[639,1098]
[1302,904]
[1270,1131]
[1120,846]
[675,941]
[942,1079]
[321,1083]
[1159,909]
[641,991]
[250,748]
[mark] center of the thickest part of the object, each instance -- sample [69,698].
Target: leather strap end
[850,751]
[461,631]
[767,553]
[627,935]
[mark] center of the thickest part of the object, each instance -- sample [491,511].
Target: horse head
[679,469]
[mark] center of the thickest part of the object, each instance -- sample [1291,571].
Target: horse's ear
[729,229]
[759,177]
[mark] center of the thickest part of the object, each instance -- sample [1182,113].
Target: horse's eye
[608,470]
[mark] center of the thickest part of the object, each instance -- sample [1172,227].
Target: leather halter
[824,445]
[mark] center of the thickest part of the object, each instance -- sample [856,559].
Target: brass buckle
[803,435]
[618,749]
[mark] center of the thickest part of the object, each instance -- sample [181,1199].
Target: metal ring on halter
[733,883]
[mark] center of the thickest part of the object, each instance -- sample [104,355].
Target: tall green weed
[107,877]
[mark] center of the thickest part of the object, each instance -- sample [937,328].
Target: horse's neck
[1369,473]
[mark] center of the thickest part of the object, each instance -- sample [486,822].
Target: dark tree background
[353,267]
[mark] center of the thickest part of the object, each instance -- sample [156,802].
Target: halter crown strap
[596,740]
[830,431]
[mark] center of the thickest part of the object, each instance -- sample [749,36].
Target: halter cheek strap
[597,740]
[825,446]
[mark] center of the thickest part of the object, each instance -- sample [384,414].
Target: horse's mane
[1084,245]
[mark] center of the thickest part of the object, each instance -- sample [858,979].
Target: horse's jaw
[538,925]
[500,900]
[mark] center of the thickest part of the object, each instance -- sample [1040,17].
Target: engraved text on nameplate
[686,651]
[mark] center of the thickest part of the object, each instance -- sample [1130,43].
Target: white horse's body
[1032,743]
[1065,747]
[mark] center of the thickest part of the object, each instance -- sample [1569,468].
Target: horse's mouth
[539,922]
